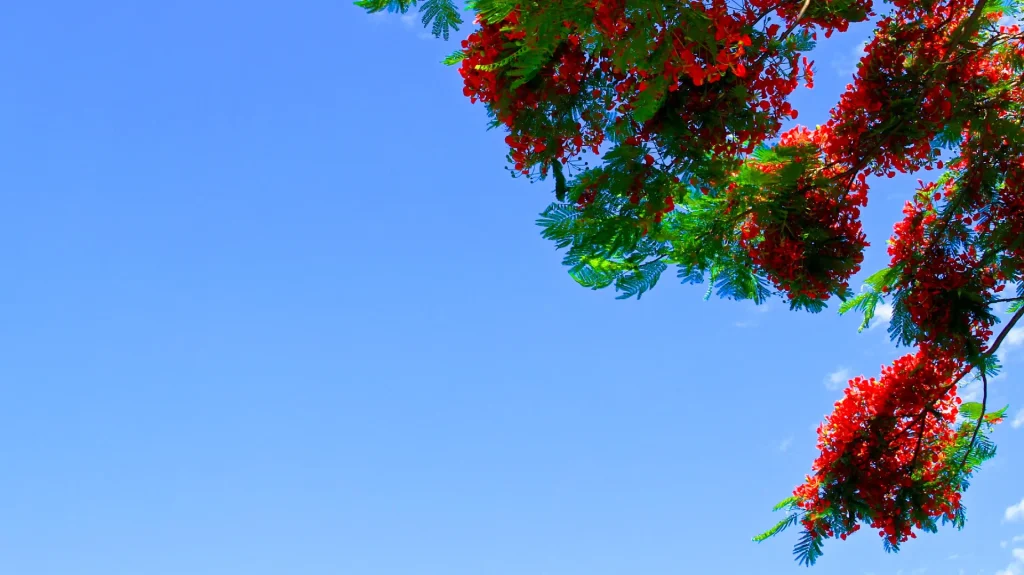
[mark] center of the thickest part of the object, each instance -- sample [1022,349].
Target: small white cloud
[1013,340]
[1008,20]
[1017,538]
[745,324]
[786,444]
[1018,422]
[971,392]
[1017,567]
[883,314]
[409,19]
[837,379]
[1015,512]
[847,66]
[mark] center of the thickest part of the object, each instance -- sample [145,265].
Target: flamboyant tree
[679,108]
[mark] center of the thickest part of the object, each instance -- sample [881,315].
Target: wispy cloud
[1015,512]
[883,315]
[1010,347]
[1017,567]
[837,379]
[1015,337]
[971,391]
[1008,20]
[786,444]
[1014,569]
[409,19]
[846,66]
[1018,422]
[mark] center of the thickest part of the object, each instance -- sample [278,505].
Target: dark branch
[977,427]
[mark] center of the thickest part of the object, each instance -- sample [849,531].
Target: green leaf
[644,279]
[373,6]
[971,410]
[777,528]
[785,503]
[504,61]
[866,302]
[444,16]
[454,59]
[808,548]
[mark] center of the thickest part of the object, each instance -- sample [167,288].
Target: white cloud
[409,19]
[1017,538]
[786,444]
[1015,512]
[1008,20]
[883,314]
[744,324]
[1013,340]
[971,391]
[837,379]
[1017,567]
[1018,422]
[847,66]
[1015,337]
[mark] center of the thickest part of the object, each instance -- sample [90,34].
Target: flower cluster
[807,234]
[884,450]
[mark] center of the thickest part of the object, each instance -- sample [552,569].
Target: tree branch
[1006,331]
[796,21]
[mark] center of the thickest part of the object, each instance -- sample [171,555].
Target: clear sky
[272,306]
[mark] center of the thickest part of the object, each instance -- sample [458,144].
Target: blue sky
[271,305]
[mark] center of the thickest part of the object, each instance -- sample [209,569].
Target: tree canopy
[660,125]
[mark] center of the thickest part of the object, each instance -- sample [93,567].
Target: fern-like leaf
[808,548]
[373,6]
[444,16]
[777,528]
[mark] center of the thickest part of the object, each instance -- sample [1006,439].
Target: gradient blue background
[270,305]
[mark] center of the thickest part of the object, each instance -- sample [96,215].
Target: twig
[1005,299]
[981,418]
[796,22]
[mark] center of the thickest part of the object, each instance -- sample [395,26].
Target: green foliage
[808,548]
[372,6]
[972,448]
[492,11]
[454,59]
[442,16]
[779,527]
[867,301]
